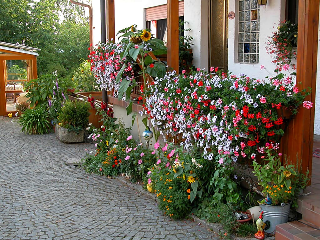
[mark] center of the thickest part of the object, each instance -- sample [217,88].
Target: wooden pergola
[9,51]
[298,140]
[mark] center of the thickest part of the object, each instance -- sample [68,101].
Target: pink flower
[165,148]
[159,161]
[263,100]
[295,89]
[183,71]
[149,180]
[127,157]
[171,153]
[140,161]
[130,137]
[221,161]
[262,67]
[168,164]
[128,150]
[136,46]
[211,69]
[286,67]
[149,173]
[142,154]
[307,104]
[156,145]
[198,69]
[154,152]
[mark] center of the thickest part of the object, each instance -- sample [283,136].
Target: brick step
[297,230]
[309,206]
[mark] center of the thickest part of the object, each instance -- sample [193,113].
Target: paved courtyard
[43,198]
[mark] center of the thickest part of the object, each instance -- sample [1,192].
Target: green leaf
[145,121]
[119,75]
[133,118]
[179,172]
[129,108]
[123,88]
[194,186]
[148,60]
[134,52]
[193,196]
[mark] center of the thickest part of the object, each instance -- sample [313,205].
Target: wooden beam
[2,89]
[111,34]
[173,34]
[299,135]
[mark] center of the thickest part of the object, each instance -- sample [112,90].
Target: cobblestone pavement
[43,198]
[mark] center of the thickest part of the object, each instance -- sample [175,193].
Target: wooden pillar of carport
[298,140]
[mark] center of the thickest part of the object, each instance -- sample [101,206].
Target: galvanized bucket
[276,215]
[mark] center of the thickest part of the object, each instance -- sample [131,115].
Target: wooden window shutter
[160,12]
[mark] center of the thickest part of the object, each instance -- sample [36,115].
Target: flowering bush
[282,44]
[174,179]
[220,113]
[279,183]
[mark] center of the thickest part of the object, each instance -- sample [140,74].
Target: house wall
[127,13]
[272,12]
[270,16]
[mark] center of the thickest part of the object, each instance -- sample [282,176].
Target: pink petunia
[307,104]
[149,181]
[149,173]
[156,145]
[263,100]
[159,161]
[220,161]
[142,154]
[165,148]
[171,153]
[130,137]
[140,161]
[168,164]
[127,157]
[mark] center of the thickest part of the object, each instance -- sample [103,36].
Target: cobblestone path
[43,198]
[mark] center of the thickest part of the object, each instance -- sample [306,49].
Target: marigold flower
[188,190]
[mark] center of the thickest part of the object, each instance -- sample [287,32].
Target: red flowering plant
[116,66]
[282,45]
[220,113]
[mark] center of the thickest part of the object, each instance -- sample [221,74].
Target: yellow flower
[107,142]
[145,36]
[287,173]
[133,29]
[170,188]
[191,179]
[9,115]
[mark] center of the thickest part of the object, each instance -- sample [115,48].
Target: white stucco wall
[196,13]
[317,102]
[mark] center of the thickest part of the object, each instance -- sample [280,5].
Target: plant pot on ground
[72,121]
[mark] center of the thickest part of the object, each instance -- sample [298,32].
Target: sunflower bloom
[145,36]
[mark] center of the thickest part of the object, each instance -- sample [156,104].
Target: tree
[57,27]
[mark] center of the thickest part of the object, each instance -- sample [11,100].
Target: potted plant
[73,119]
[280,185]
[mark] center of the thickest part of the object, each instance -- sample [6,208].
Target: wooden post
[2,89]
[299,135]
[173,34]
[111,20]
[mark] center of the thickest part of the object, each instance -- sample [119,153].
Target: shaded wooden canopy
[9,51]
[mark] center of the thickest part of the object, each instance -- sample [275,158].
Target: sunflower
[145,36]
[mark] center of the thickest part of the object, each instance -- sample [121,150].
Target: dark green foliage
[35,121]
[74,115]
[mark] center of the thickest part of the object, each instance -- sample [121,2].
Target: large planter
[276,215]
[66,136]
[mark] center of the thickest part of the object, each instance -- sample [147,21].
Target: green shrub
[83,79]
[74,115]
[35,121]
